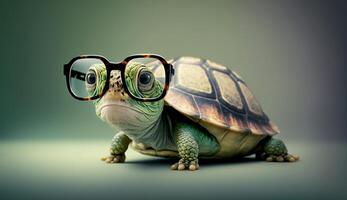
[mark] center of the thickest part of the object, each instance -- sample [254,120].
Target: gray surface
[70,169]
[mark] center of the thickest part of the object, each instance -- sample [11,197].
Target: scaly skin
[188,150]
[192,141]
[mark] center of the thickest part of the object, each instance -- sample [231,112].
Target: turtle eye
[91,77]
[90,81]
[145,80]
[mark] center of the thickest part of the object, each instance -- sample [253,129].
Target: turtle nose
[116,85]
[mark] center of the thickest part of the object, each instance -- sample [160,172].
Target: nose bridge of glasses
[116,84]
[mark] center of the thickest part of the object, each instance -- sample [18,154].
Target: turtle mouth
[123,116]
[118,105]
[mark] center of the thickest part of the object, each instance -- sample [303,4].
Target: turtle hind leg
[274,150]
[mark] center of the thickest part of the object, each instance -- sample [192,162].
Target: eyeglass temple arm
[74,74]
[79,75]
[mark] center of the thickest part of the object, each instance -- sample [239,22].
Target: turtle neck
[157,135]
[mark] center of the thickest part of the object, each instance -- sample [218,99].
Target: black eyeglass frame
[169,72]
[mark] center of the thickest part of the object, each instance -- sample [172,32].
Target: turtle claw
[286,158]
[117,158]
[192,166]
[291,158]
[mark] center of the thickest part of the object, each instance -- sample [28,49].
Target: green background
[292,54]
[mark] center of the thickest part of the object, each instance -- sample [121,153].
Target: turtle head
[120,110]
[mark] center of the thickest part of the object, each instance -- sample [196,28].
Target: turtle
[208,112]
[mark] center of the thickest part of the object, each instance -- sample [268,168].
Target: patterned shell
[210,92]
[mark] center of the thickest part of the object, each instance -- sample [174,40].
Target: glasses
[88,76]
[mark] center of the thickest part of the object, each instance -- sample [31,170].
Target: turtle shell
[212,94]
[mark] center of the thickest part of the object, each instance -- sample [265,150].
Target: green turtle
[209,112]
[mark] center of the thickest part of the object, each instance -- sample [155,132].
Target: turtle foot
[276,151]
[181,165]
[117,158]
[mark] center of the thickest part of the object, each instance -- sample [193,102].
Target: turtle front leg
[119,145]
[188,150]
[192,141]
[274,150]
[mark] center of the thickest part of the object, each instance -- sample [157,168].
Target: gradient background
[292,54]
